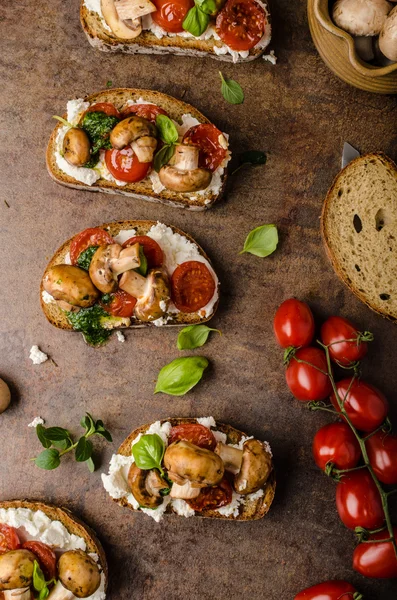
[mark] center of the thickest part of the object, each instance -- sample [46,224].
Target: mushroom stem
[155,483]
[185,491]
[18,594]
[59,592]
[232,457]
[133,283]
[186,157]
[126,30]
[133,9]
[183,174]
[128,259]
[144,148]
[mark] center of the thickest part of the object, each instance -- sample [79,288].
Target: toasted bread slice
[147,43]
[359,229]
[73,524]
[57,316]
[249,511]
[142,189]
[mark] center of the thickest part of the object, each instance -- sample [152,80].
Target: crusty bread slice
[148,43]
[251,510]
[57,316]
[359,228]
[143,189]
[72,523]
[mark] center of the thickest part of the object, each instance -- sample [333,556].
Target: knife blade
[349,153]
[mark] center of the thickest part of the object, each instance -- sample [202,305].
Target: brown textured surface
[301,114]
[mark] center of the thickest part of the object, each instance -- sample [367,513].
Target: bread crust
[73,524]
[251,511]
[141,190]
[325,233]
[148,43]
[56,316]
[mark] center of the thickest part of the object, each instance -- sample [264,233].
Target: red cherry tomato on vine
[46,557]
[376,560]
[365,405]
[329,590]
[358,501]
[9,539]
[345,353]
[382,454]
[336,443]
[308,381]
[294,324]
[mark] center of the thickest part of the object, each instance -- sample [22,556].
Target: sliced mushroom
[100,272]
[251,466]
[133,9]
[138,132]
[16,570]
[361,17]
[185,491]
[388,36]
[186,462]
[79,576]
[183,174]
[70,284]
[152,293]
[128,259]
[145,486]
[133,283]
[76,147]
[125,30]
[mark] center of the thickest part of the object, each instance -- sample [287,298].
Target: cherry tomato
[336,443]
[206,137]
[382,454]
[214,497]
[376,560]
[192,286]
[9,539]
[146,111]
[365,405]
[308,381]
[105,107]
[120,305]
[153,253]
[345,353]
[93,236]
[46,557]
[195,433]
[329,590]
[358,501]
[294,324]
[124,165]
[241,24]
[170,14]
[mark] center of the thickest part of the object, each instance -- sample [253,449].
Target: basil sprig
[251,157]
[231,90]
[181,375]
[39,583]
[261,241]
[169,136]
[198,17]
[148,452]
[193,336]
[58,441]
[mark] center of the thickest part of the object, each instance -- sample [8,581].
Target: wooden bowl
[336,48]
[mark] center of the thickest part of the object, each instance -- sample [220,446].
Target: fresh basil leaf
[261,241]
[45,592]
[90,464]
[251,157]
[148,452]
[55,434]
[109,84]
[193,336]
[167,130]
[163,156]
[196,21]
[209,7]
[40,431]
[89,424]
[84,449]
[38,577]
[48,459]
[142,269]
[106,434]
[63,444]
[231,91]
[85,258]
[181,375]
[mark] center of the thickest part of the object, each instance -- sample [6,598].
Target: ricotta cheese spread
[37,356]
[36,421]
[120,336]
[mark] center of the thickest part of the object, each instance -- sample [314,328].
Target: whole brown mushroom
[70,284]
[79,576]
[76,147]
[186,462]
[5,396]
[16,574]
[251,466]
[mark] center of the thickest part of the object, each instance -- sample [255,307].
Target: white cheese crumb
[233,507]
[36,421]
[271,57]
[157,513]
[37,356]
[255,495]
[182,508]
[161,321]
[162,305]
[124,235]
[120,336]
[47,298]
[207,422]
[67,260]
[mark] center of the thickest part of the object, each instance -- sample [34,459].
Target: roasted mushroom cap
[138,132]
[70,284]
[231,457]
[146,486]
[126,30]
[76,147]
[183,174]
[255,469]
[186,462]
[79,573]
[101,274]
[16,569]
[152,293]
[361,17]
[388,36]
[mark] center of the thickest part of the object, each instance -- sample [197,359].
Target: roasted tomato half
[195,433]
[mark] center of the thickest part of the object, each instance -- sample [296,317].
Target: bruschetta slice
[128,274]
[47,551]
[142,144]
[200,468]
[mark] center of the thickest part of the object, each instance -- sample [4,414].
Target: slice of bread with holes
[359,229]
[105,24]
